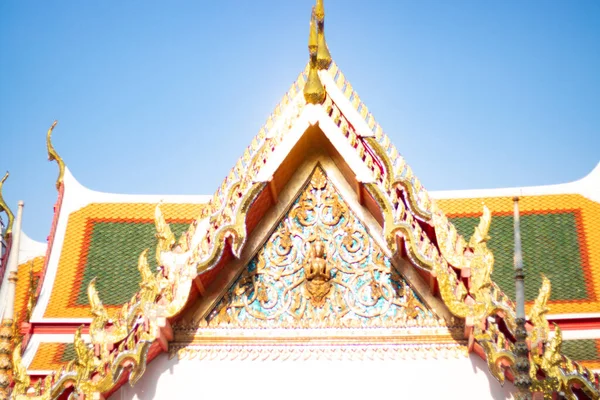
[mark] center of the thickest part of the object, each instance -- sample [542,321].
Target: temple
[320,268]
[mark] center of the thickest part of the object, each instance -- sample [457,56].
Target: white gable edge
[310,116]
[588,186]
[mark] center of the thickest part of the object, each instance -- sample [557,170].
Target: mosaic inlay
[320,266]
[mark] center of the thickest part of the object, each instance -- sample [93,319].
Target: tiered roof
[99,235]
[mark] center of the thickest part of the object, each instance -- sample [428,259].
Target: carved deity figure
[318,274]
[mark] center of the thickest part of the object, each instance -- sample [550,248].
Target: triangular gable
[320,268]
[411,226]
[318,277]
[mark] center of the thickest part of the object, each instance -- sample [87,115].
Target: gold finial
[323,55]
[312,36]
[53,156]
[314,92]
[319,11]
[4,207]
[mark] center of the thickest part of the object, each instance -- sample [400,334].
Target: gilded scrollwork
[20,377]
[164,235]
[116,345]
[537,315]
[320,265]
[103,331]
[550,370]
[319,268]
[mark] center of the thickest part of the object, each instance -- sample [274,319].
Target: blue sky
[162,97]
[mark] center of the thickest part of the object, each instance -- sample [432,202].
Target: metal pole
[522,379]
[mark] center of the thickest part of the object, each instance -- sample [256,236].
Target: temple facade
[320,268]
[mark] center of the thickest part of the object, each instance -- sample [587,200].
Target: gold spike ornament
[4,207]
[323,55]
[314,92]
[53,156]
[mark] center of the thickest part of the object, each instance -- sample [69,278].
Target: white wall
[462,378]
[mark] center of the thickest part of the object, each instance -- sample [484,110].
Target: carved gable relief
[320,268]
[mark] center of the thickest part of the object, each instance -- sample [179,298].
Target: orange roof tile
[23,284]
[561,239]
[104,241]
[51,356]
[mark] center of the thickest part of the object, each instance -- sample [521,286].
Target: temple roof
[94,224]
[560,225]
[198,242]
[101,235]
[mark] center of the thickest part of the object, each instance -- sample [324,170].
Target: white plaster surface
[30,249]
[311,115]
[463,378]
[588,186]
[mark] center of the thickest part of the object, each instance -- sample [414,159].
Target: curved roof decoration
[413,224]
[53,156]
[6,209]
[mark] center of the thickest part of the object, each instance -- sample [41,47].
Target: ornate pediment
[321,268]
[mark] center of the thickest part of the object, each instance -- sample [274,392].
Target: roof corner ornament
[323,55]
[314,92]
[53,156]
[4,207]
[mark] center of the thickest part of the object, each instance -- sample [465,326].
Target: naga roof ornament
[53,156]
[323,55]
[4,207]
[314,92]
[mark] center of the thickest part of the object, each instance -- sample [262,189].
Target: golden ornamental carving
[164,235]
[53,156]
[480,259]
[537,315]
[227,210]
[317,272]
[20,378]
[314,92]
[400,223]
[550,370]
[4,207]
[321,267]
[103,331]
[117,345]
[255,297]
[395,174]
[323,55]
[7,338]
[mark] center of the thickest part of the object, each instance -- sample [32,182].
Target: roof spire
[53,156]
[323,55]
[4,207]
[522,380]
[314,92]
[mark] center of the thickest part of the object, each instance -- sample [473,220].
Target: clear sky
[159,97]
